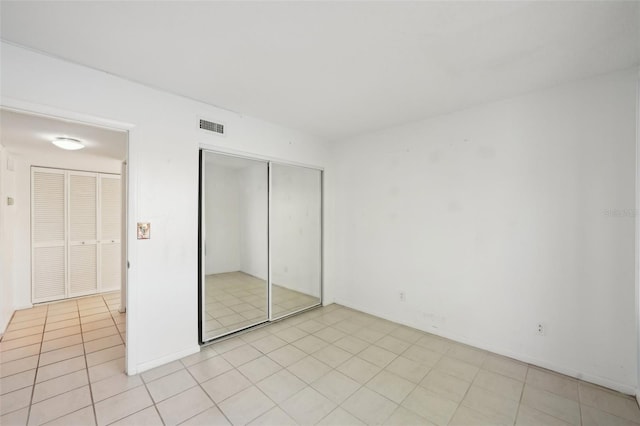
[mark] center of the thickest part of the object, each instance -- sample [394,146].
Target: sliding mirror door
[234,244]
[295,238]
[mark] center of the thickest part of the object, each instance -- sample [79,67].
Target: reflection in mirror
[296,261]
[235,259]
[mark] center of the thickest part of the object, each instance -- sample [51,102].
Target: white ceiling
[27,133]
[336,69]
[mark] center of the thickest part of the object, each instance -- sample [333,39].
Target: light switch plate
[144,230]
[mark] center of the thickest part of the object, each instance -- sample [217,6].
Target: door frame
[129,208]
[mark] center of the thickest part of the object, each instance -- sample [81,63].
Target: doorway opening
[63,224]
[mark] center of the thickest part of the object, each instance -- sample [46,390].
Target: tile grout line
[35,376]
[207,394]
[86,363]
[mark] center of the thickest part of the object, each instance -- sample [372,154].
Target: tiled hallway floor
[329,366]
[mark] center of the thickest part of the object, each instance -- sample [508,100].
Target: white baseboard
[19,308]
[601,381]
[164,360]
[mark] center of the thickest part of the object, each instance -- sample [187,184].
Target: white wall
[163,166]
[295,227]
[7,233]
[222,215]
[498,217]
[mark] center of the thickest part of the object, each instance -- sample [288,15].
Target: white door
[48,248]
[110,230]
[83,233]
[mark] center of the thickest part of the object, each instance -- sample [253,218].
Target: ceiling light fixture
[68,143]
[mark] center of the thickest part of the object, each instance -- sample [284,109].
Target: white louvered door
[75,221]
[109,229]
[83,233]
[48,235]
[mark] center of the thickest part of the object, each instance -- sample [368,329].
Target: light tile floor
[235,300]
[329,366]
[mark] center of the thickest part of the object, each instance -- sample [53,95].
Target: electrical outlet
[540,329]
[402,296]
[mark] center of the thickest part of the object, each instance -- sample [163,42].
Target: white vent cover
[212,126]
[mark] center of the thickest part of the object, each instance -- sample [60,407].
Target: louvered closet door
[83,230]
[110,219]
[48,233]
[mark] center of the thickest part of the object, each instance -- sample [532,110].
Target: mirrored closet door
[296,244]
[260,242]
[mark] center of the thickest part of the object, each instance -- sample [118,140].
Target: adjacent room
[332,213]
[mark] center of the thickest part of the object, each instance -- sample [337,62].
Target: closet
[75,233]
[260,242]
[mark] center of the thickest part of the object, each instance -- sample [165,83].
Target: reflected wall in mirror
[235,243]
[296,238]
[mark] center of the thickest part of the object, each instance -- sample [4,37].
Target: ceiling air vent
[212,127]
